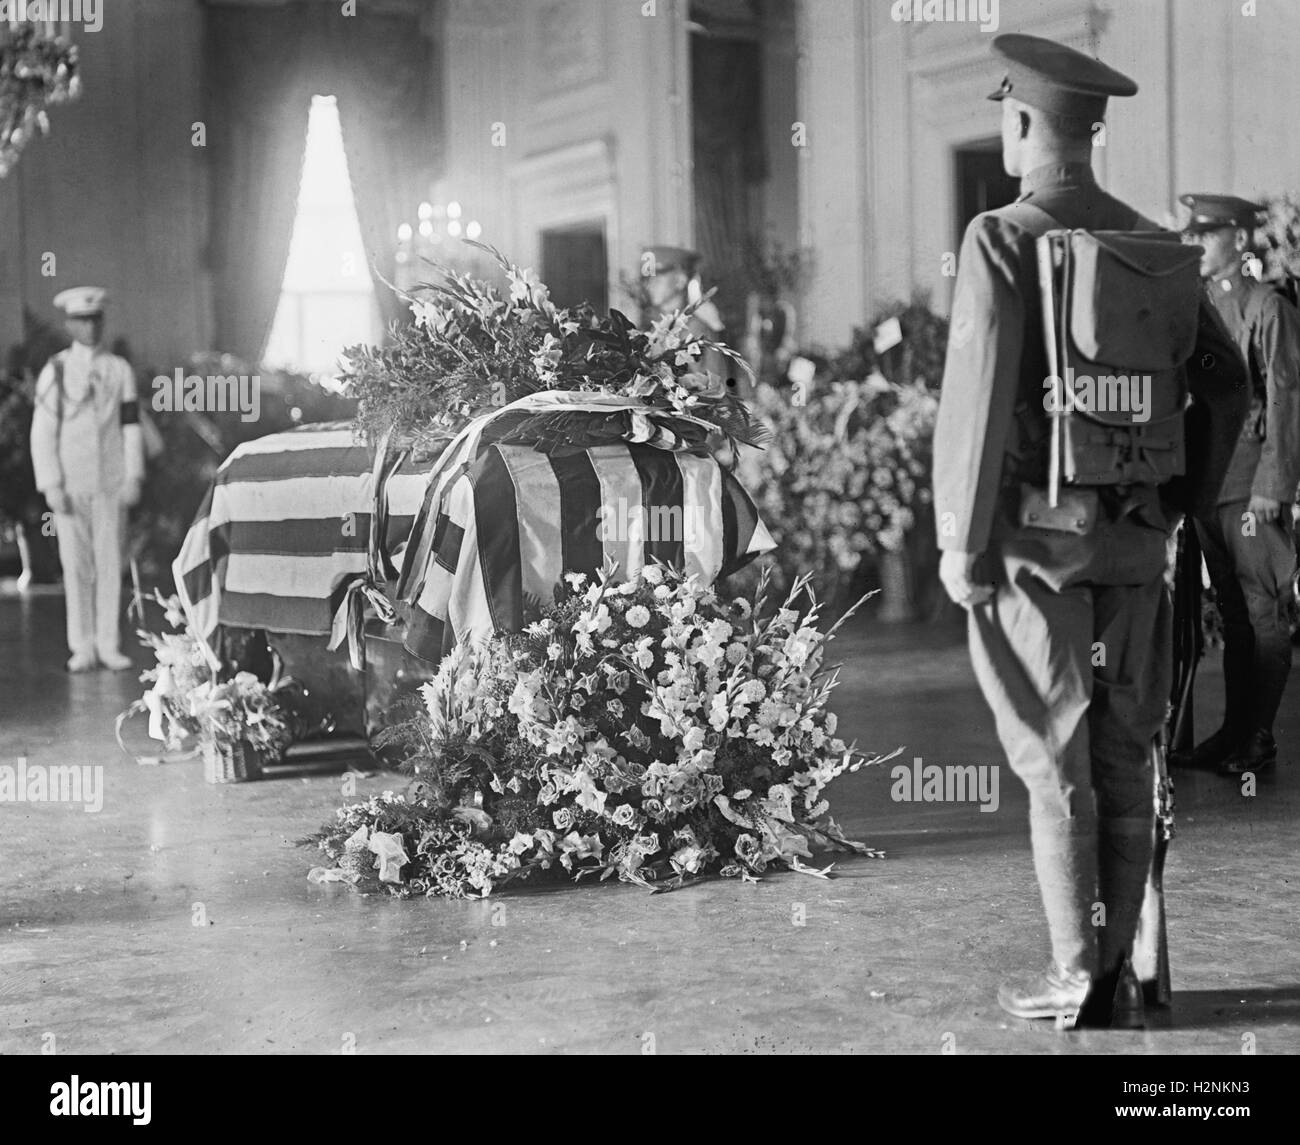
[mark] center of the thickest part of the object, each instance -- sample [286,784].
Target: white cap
[82,301]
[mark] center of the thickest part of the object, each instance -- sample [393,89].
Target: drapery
[263,65]
[386,93]
[257,103]
[730,162]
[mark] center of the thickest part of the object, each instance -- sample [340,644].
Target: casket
[362,567]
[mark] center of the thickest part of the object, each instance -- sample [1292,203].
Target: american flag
[516,520]
[283,533]
[284,529]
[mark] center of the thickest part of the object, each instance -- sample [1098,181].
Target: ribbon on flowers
[153,702]
[369,587]
[350,616]
[464,450]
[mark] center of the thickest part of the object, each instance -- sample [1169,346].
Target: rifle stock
[1150,956]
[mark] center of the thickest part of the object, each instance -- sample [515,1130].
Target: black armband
[130,413]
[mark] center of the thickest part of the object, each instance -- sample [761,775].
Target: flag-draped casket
[285,528]
[301,529]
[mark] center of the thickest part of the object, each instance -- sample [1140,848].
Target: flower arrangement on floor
[651,731]
[242,726]
[36,71]
[471,350]
[236,724]
[847,471]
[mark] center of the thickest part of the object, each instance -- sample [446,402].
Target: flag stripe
[327,435]
[622,526]
[537,513]
[286,465]
[494,502]
[660,504]
[702,516]
[467,607]
[448,539]
[580,498]
[297,614]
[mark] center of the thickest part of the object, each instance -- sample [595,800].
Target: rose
[749,852]
[564,819]
[625,815]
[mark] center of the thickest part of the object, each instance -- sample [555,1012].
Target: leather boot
[1129,1011]
[1238,671]
[1258,753]
[1210,752]
[1059,994]
[1124,850]
[1065,861]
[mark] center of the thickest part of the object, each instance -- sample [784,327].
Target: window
[327,301]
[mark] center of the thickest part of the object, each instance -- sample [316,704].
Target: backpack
[1120,312]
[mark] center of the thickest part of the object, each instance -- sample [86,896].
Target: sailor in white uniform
[89,461]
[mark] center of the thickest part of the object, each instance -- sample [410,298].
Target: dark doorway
[982,184]
[575,267]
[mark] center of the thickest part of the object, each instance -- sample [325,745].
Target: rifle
[1150,958]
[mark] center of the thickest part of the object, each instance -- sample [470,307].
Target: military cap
[1209,212]
[662,258]
[82,301]
[1057,79]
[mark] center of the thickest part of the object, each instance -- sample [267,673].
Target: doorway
[982,183]
[575,265]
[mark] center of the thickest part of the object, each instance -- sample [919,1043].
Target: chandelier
[434,240]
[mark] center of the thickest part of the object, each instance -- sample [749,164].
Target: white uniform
[86,443]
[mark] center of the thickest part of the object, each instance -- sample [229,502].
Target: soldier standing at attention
[1247,539]
[89,461]
[1076,731]
[672,282]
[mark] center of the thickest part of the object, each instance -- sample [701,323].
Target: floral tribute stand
[601,707]
[235,722]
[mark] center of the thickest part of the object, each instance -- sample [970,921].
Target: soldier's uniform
[1252,561]
[705,321]
[88,456]
[1077,728]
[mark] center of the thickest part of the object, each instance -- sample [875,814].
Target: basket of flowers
[237,724]
[241,727]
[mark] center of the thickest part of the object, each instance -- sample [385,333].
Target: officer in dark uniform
[672,282]
[1076,730]
[1247,539]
